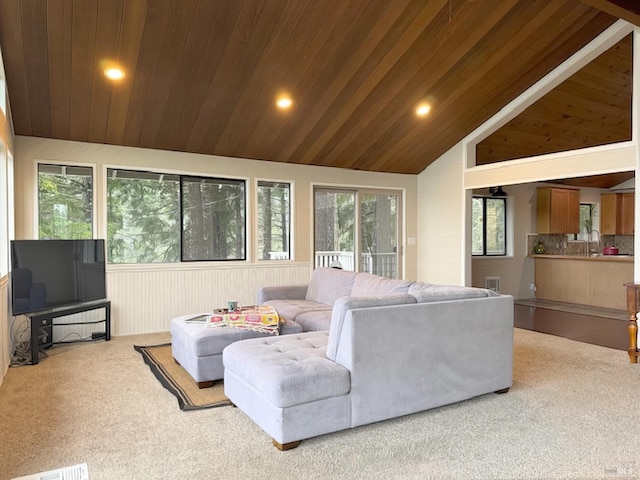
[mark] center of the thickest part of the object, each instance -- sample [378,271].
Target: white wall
[441,217]
[145,297]
[6,228]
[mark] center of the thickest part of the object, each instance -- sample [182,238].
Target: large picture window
[155,217]
[213,219]
[143,217]
[489,226]
[274,219]
[65,202]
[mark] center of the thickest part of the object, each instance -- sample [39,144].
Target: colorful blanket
[263,319]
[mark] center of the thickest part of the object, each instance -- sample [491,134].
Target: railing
[278,255]
[330,259]
[383,264]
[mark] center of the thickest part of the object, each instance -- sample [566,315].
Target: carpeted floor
[177,381]
[572,413]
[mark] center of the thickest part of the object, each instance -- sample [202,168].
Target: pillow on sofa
[438,293]
[329,284]
[344,304]
[368,284]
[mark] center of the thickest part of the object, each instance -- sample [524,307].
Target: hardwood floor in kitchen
[604,327]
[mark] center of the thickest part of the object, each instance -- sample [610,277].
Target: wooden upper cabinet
[573,211]
[617,213]
[558,210]
[628,213]
[609,213]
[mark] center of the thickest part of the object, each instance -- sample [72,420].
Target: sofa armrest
[344,304]
[408,358]
[284,292]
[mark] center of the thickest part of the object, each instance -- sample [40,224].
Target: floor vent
[492,283]
[76,472]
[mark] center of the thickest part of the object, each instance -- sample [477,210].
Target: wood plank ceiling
[592,107]
[202,76]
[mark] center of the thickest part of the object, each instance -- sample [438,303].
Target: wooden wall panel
[202,76]
[145,300]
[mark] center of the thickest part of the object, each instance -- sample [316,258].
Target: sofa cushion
[438,293]
[315,321]
[344,304]
[290,309]
[367,284]
[291,371]
[329,284]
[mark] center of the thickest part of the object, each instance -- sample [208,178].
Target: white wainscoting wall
[145,298]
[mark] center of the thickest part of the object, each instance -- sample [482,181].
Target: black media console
[42,325]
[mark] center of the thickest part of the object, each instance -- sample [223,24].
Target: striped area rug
[176,379]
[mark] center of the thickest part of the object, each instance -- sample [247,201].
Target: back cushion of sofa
[329,284]
[368,284]
[438,293]
[344,304]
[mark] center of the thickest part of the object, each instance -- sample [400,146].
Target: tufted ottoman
[288,386]
[198,348]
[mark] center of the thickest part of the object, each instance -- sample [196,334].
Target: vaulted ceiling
[202,76]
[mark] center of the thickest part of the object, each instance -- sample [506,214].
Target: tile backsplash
[561,245]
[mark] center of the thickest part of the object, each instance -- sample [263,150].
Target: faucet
[589,238]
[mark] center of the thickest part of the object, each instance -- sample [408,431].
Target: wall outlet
[532,286]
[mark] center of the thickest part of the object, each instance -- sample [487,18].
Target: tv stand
[42,322]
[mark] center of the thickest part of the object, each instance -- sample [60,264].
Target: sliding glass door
[358,230]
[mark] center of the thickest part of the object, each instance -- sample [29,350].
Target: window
[154,217]
[213,219]
[274,221]
[358,230]
[488,231]
[3,90]
[143,217]
[65,202]
[588,222]
[4,223]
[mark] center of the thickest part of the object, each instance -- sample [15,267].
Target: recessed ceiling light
[423,109]
[284,103]
[114,73]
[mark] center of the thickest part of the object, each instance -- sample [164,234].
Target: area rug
[176,379]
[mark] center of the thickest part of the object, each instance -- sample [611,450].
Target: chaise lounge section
[384,355]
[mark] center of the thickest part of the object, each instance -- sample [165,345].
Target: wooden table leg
[633,339]
[633,306]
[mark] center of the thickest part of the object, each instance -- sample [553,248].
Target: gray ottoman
[198,348]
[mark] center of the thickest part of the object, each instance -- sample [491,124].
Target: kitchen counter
[594,281]
[598,258]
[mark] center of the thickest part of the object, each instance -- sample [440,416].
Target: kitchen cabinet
[582,280]
[628,213]
[558,210]
[617,213]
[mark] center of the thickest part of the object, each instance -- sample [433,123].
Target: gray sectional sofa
[371,349]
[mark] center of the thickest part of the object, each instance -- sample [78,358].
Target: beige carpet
[177,381]
[572,413]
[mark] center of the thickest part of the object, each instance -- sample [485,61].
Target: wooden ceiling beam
[620,8]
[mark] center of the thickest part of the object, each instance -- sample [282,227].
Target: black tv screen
[48,274]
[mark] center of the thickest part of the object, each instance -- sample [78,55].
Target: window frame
[359,191]
[292,203]
[484,253]
[4,210]
[207,179]
[94,194]
[179,175]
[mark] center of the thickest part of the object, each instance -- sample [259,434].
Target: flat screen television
[53,274]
